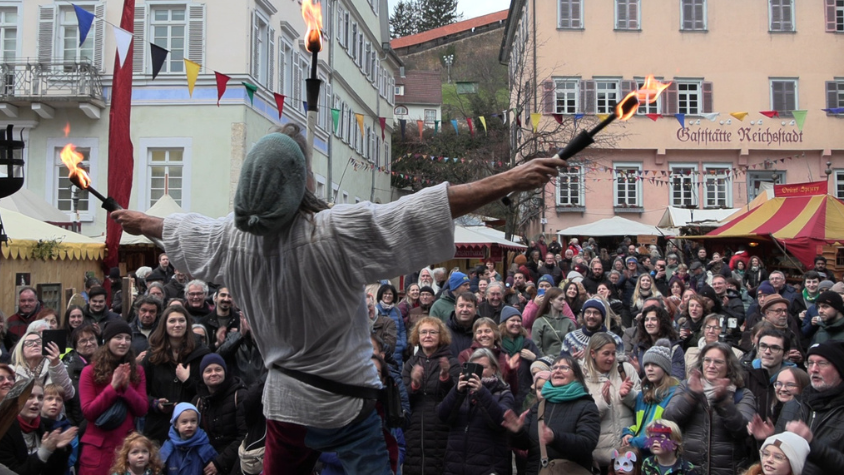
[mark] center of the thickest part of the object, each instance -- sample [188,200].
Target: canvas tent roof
[615,226]
[679,217]
[165,206]
[34,206]
[24,233]
[472,237]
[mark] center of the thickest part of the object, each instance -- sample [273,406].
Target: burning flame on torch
[71,158]
[648,93]
[312,13]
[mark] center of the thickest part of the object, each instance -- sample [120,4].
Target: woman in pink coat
[113,376]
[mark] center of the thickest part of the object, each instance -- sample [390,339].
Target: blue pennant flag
[85,20]
[681,118]
[454,124]
[305,106]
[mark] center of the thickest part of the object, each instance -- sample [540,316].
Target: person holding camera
[474,411]
[32,358]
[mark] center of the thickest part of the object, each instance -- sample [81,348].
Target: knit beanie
[508,312]
[832,351]
[793,446]
[546,278]
[271,185]
[838,287]
[520,259]
[209,359]
[660,355]
[766,288]
[428,289]
[596,304]
[832,299]
[114,328]
[542,364]
[825,285]
[456,280]
[182,407]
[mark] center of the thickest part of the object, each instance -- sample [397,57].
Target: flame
[312,13]
[648,93]
[66,129]
[77,175]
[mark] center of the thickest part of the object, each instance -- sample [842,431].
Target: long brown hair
[105,362]
[546,308]
[121,455]
[160,350]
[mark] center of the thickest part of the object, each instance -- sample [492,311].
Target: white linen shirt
[302,290]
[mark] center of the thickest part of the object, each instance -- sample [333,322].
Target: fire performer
[270,247]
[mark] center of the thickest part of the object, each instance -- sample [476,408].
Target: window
[755,180]
[335,191]
[165,174]
[570,187]
[64,188]
[628,187]
[566,93]
[693,15]
[689,97]
[320,187]
[69,33]
[683,186]
[784,95]
[627,14]
[570,14]
[781,14]
[9,32]
[834,94]
[839,184]
[263,49]
[285,66]
[342,26]
[717,186]
[646,107]
[834,13]
[430,117]
[399,90]
[345,197]
[607,94]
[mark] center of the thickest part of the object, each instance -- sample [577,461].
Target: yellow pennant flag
[739,115]
[483,122]
[602,117]
[192,70]
[359,117]
[534,120]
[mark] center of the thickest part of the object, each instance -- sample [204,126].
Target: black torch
[109,203]
[77,175]
[312,13]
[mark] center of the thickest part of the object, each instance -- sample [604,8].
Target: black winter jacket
[461,337]
[426,436]
[823,412]
[477,442]
[576,425]
[163,383]
[243,359]
[714,436]
[223,419]
[13,453]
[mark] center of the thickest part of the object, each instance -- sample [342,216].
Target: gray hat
[508,312]
[695,265]
[825,285]
[660,355]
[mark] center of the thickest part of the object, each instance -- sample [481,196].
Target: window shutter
[787,10]
[139,40]
[628,86]
[548,102]
[99,36]
[776,15]
[706,86]
[196,33]
[830,15]
[587,96]
[669,99]
[255,48]
[831,95]
[633,14]
[688,15]
[271,58]
[621,14]
[46,20]
[575,13]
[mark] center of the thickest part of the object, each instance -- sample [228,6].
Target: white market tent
[679,217]
[29,204]
[615,226]
[165,206]
[24,233]
[481,236]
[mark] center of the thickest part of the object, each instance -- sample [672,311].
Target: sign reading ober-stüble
[801,189]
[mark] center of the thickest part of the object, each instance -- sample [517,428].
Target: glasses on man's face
[772,348]
[712,328]
[196,294]
[32,343]
[713,362]
[561,367]
[787,386]
[821,364]
[428,332]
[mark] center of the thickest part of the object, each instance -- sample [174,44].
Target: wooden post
[128,297]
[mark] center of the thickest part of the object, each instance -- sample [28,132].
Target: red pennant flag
[421,125]
[383,122]
[471,126]
[654,117]
[222,79]
[558,118]
[770,114]
[279,102]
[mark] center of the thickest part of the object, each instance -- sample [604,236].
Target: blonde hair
[445,333]
[596,342]
[676,433]
[486,321]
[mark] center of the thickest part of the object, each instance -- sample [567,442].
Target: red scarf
[26,427]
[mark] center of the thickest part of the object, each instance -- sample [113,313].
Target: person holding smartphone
[28,356]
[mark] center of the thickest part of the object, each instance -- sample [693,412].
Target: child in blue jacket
[188,450]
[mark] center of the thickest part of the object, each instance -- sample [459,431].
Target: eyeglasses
[710,361]
[780,458]
[789,386]
[196,294]
[819,363]
[87,341]
[428,332]
[712,328]
[563,368]
[31,343]
[10,379]
[771,348]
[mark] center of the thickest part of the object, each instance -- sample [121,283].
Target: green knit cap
[271,185]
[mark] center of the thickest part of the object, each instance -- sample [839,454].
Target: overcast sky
[474,8]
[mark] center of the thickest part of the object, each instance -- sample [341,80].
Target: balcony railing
[59,80]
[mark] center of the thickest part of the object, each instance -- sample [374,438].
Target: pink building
[722,57]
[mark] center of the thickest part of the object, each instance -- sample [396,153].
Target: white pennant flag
[711,115]
[124,40]
[505,114]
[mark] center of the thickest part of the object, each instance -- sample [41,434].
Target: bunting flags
[602,117]
[799,118]
[483,122]
[739,115]
[359,118]
[834,110]
[383,122]
[250,90]
[558,118]
[279,103]
[653,117]
[471,126]
[420,124]
[305,107]
[454,124]
[222,81]
[192,71]
[159,55]
[504,116]
[85,19]
[403,125]
[710,116]
[335,117]
[681,118]
[770,114]
[534,120]
[123,39]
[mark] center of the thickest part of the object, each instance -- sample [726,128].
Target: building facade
[188,146]
[692,148]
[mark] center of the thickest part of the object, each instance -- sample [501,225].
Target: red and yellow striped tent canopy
[800,223]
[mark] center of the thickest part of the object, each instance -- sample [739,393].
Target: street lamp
[449,60]
[11,168]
